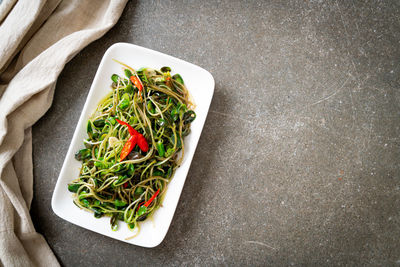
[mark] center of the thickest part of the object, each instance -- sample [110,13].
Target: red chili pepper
[135,80]
[125,185]
[129,145]
[130,128]
[142,209]
[142,143]
[152,198]
[140,139]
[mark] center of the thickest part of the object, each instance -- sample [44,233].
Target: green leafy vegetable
[165,69]
[114,78]
[124,177]
[178,78]
[83,154]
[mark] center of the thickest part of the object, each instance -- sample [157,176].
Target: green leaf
[175,114]
[131,169]
[85,202]
[178,78]
[160,148]
[89,127]
[165,69]
[98,164]
[129,89]
[73,187]
[99,123]
[97,212]
[142,210]
[124,104]
[169,152]
[189,116]
[128,73]
[169,173]
[83,154]
[119,203]
[114,222]
[178,141]
[150,107]
[114,78]
[112,120]
[126,96]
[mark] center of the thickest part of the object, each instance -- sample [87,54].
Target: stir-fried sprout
[124,180]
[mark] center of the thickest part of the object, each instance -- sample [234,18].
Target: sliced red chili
[142,143]
[135,80]
[129,145]
[141,140]
[131,130]
[152,198]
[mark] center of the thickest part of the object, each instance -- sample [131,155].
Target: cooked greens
[135,143]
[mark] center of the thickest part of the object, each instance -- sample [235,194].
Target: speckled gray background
[298,163]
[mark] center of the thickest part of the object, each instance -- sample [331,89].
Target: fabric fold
[16,25]
[38,39]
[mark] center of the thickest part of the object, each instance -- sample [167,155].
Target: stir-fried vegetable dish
[135,143]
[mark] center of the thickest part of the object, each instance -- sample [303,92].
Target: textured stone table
[299,160]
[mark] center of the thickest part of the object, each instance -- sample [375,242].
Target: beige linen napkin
[37,38]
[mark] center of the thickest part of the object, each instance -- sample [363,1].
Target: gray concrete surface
[298,163]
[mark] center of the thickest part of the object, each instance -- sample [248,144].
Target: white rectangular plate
[200,84]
